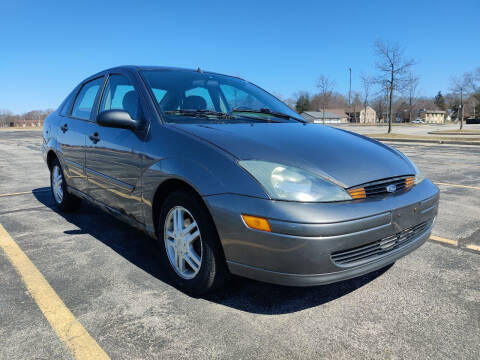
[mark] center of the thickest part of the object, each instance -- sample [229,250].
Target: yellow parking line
[68,329]
[458,185]
[23,192]
[14,194]
[473,247]
[443,240]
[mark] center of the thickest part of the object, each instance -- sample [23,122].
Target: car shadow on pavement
[239,293]
[268,299]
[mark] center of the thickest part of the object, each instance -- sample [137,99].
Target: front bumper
[309,240]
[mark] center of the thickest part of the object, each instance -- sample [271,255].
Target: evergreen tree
[303,103]
[440,101]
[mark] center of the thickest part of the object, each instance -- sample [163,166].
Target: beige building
[433,116]
[359,116]
[363,116]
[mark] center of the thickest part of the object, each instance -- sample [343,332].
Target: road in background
[424,306]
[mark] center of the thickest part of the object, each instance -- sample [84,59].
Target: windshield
[189,96]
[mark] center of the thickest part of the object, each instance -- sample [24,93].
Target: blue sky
[47,47]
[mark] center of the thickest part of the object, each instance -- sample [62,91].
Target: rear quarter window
[82,108]
[66,105]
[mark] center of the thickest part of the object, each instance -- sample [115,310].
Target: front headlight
[419,177]
[283,182]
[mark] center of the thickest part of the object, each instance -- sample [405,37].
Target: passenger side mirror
[117,119]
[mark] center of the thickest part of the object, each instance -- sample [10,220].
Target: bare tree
[336,100]
[4,117]
[393,69]
[366,84]
[411,93]
[472,80]
[467,85]
[458,86]
[326,88]
[379,106]
[357,104]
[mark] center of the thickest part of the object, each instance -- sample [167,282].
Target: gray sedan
[229,180]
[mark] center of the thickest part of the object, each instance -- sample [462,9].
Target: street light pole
[350,90]
[350,96]
[461,108]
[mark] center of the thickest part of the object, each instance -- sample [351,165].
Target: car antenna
[200,70]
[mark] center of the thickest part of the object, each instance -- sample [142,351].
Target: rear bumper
[301,249]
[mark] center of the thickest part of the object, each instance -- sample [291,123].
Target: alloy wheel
[183,242]
[57,184]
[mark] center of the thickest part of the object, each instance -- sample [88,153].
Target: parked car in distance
[418,121]
[230,180]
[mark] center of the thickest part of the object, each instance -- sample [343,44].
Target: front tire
[191,250]
[65,201]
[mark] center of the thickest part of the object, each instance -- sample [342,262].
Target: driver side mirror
[117,119]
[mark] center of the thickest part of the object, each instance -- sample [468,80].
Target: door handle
[94,137]
[64,128]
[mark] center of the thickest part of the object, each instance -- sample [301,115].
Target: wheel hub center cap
[180,243]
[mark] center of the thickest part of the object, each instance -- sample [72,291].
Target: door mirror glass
[117,119]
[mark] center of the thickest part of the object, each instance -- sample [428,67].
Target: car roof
[148,67]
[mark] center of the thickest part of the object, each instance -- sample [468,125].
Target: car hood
[347,158]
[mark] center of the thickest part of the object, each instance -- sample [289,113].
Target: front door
[74,125]
[113,155]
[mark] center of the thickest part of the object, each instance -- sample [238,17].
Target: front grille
[382,187]
[378,248]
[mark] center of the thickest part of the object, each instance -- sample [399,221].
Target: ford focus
[230,180]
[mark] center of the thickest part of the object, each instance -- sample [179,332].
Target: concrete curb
[448,142]
[453,133]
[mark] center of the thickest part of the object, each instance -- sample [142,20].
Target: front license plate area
[406,217]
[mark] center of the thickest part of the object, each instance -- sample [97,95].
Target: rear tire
[190,247]
[65,201]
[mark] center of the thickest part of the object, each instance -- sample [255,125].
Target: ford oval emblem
[391,188]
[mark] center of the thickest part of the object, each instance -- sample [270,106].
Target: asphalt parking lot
[427,305]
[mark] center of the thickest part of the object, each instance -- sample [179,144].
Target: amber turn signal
[357,193]
[257,223]
[409,182]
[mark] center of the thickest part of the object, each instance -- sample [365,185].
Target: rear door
[113,155]
[75,123]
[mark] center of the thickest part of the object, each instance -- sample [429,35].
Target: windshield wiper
[267,111]
[201,113]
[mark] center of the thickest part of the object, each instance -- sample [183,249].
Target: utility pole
[461,108]
[350,96]
[350,91]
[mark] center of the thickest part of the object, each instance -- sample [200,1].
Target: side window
[238,99]
[159,94]
[67,104]
[82,108]
[200,92]
[120,95]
